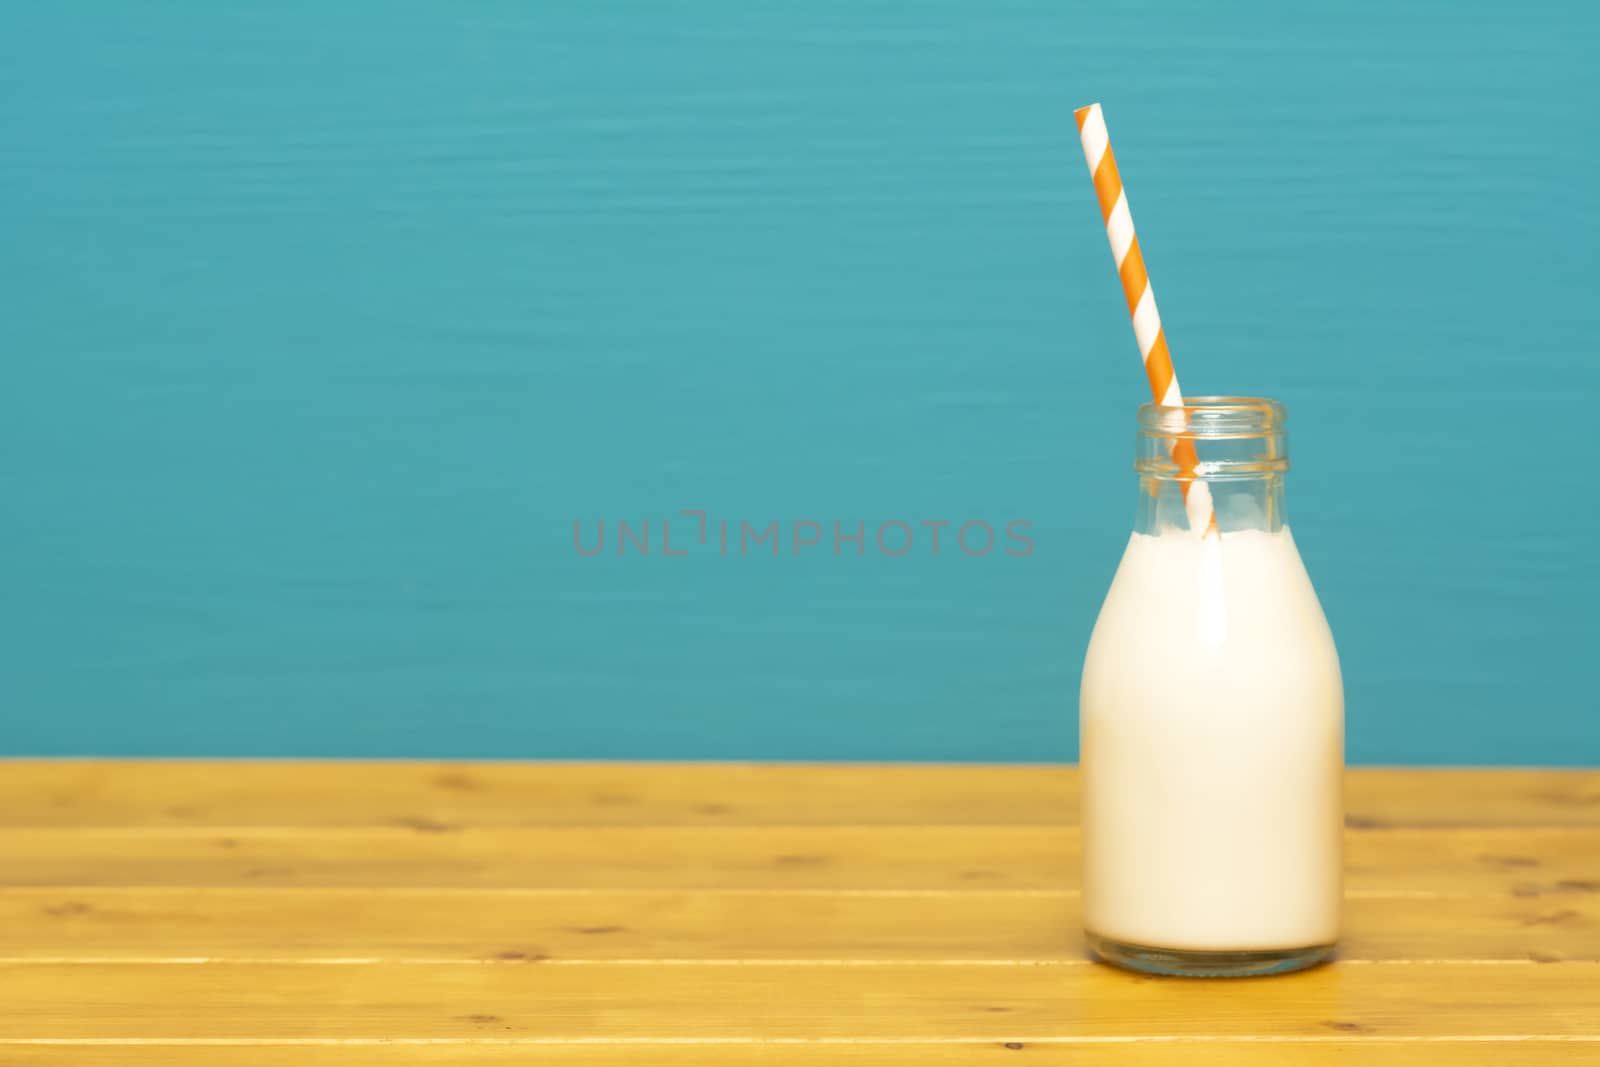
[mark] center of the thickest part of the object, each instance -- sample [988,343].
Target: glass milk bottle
[1212,718]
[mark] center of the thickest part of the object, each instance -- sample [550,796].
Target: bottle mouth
[1214,417]
[1228,438]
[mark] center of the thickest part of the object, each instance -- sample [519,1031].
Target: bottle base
[1195,963]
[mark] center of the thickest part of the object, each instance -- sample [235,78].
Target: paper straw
[1142,306]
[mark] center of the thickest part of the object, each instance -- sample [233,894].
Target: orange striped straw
[1142,305]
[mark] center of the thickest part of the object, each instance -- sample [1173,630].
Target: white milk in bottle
[1212,719]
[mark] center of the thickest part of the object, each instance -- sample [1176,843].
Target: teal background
[323,322]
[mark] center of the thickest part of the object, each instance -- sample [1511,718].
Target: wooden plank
[358,926]
[256,793]
[264,793]
[1315,1052]
[1458,862]
[1412,797]
[697,1002]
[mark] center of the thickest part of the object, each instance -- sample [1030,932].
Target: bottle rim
[1214,417]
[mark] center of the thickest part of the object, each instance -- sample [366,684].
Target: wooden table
[587,915]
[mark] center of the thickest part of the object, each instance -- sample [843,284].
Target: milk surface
[1212,719]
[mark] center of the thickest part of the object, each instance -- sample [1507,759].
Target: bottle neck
[1241,455]
[1239,504]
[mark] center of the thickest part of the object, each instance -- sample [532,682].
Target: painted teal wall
[322,323]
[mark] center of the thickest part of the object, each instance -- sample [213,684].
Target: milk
[1212,748]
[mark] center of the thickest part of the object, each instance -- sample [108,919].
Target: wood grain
[442,913]
[649,1002]
[1328,1051]
[87,793]
[358,927]
[1035,858]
